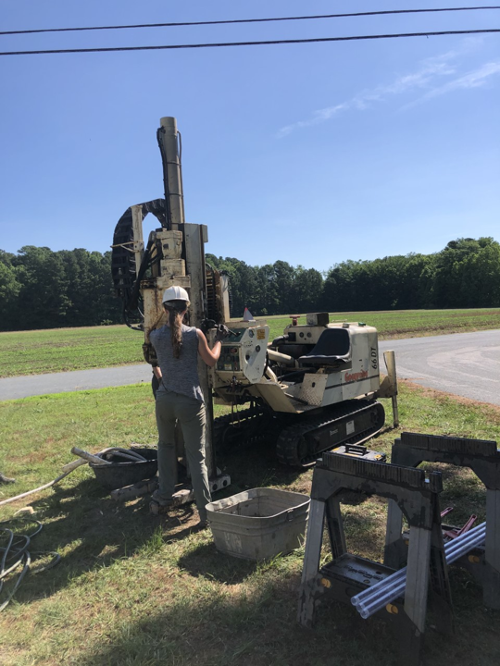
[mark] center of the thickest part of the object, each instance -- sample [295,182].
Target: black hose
[15,554]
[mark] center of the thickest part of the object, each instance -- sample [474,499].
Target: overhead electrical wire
[161,47]
[252,20]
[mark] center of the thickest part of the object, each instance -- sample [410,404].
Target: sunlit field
[136,590]
[59,350]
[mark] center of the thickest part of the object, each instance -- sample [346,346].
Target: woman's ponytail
[175,318]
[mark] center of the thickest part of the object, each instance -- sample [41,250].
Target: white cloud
[428,79]
[474,79]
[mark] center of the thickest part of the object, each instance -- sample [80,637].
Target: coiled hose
[14,555]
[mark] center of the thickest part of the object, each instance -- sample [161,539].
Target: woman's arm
[210,356]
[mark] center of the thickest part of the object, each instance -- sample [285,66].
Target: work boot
[158,505]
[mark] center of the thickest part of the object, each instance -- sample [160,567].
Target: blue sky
[309,153]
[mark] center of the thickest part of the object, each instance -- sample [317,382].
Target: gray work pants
[172,407]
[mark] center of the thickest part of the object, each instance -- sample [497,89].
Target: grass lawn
[133,590]
[59,350]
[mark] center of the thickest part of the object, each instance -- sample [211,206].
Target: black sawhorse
[483,457]
[336,476]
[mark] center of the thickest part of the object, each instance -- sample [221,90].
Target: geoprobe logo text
[356,376]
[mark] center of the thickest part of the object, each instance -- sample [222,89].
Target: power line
[254,20]
[258,43]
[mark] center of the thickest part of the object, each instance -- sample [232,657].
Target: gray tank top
[178,374]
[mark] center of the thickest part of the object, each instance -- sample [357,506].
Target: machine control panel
[243,354]
[229,359]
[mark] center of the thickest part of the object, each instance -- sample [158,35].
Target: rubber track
[239,423]
[286,447]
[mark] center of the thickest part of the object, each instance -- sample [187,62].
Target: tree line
[40,288]
[465,274]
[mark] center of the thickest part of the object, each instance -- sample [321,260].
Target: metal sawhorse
[347,574]
[483,457]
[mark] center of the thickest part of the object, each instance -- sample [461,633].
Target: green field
[132,590]
[59,350]
[411,323]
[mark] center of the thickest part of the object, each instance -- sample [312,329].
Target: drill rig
[173,255]
[310,390]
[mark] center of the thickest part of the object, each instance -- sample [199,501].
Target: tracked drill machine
[310,390]
[172,255]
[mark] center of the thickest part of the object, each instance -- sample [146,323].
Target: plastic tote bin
[124,473]
[259,523]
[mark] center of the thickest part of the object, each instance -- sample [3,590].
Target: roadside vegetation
[60,350]
[135,590]
[75,287]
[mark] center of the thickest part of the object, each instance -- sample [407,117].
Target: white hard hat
[175,294]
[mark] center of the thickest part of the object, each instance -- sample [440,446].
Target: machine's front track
[301,439]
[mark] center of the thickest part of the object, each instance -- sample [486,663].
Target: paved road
[79,380]
[465,364]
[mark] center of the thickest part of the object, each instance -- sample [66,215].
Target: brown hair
[176,311]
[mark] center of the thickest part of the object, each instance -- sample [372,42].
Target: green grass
[410,323]
[133,590]
[59,350]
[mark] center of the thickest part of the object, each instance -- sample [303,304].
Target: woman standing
[179,398]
